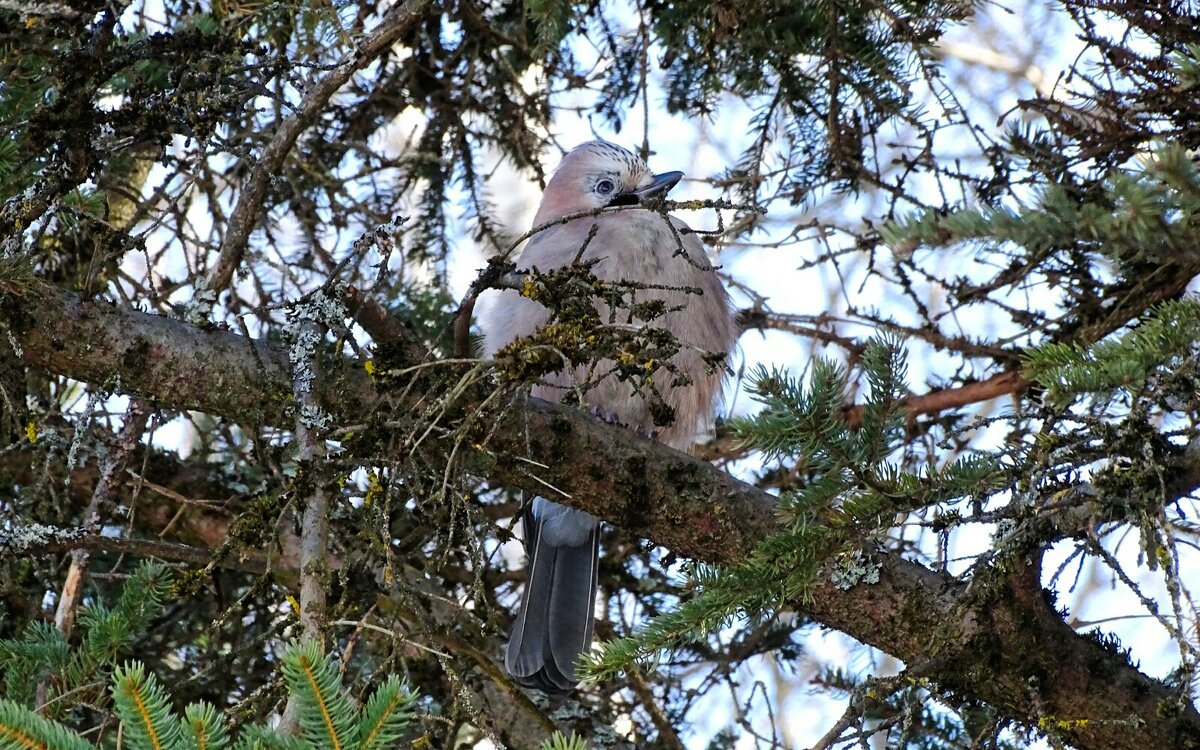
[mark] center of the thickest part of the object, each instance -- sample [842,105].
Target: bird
[633,244]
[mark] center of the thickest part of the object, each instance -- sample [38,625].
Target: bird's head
[597,174]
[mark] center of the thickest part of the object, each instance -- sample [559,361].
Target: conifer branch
[142,705]
[22,729]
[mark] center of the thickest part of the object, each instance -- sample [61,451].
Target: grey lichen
[304,339]
[849,570]
[199,308]
[305,329]
[308,321]
[34,535]
[314,417]
[323,306]
[81,430]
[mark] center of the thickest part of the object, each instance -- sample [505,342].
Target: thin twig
[397,21]
[103,495]
[29,541]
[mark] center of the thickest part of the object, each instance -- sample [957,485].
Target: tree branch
[111,475]
[246,212]
[997,644]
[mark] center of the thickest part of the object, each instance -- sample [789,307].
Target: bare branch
[398,20]
[111,476]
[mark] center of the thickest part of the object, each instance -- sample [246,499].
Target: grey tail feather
[555,622]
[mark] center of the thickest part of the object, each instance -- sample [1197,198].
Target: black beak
[658,187]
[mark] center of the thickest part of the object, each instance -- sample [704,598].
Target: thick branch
[1011,651]
[171,363]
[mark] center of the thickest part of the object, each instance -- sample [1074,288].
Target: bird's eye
[605,187]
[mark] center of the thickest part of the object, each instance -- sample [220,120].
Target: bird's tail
[556,618]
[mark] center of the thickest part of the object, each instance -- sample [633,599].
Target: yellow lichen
[1049,722]
[31,431]
[374,489]
[369,366]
